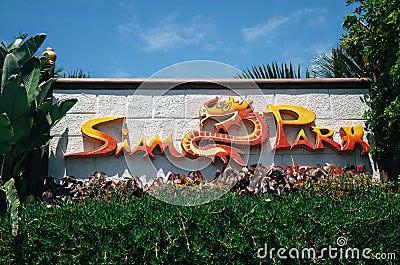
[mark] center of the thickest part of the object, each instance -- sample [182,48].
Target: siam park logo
[219,143]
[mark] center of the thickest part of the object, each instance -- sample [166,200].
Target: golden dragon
[219,143]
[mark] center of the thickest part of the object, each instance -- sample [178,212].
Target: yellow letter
[89,131]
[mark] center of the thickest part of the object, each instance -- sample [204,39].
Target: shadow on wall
[56,159]
[139,165]
[82,167]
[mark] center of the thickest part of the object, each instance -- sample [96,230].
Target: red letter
[323,134]
[351,136]
[302,140]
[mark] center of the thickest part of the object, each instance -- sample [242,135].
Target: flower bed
[275,180]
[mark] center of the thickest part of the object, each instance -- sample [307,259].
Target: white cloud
[316,48]
[126,5]
[210,47]
[272,25]
[218,46]
[260,30]
[168,34]
[120,73]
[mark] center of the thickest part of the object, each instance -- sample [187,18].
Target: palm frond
[76,73]
[272,71]
[337,64]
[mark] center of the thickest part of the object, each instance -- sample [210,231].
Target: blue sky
[139,38]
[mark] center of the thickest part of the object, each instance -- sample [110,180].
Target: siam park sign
[218,142]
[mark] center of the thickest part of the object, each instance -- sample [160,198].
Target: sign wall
[119,126]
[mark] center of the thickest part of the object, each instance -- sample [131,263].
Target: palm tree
[338,64]
[76,73]
[273,71]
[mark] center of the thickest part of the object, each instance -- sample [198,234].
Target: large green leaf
[47,116]
[13,101]
[60,108]
[26,50]
[16,43]
[44,107]
[3,54]
[39,135]
[30,76]
[12,204]
[10,67]
[6,134]
[43,90]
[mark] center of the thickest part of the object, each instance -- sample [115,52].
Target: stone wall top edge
[135,83]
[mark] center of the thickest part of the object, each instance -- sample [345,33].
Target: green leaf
[16,43]
[45,106]
[43,61]
[10,67]
[39,135]
[6,134]
[12,204]
[30,76]
[60,108]
[44,89]
[270,73]
[13,101]
[291,72]
[26,50]
[3,54]
[275,70]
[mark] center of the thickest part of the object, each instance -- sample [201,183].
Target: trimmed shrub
[130,230]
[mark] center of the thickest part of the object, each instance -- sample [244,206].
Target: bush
[372,37]
[130,230]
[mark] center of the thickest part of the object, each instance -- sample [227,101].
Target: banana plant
[27,113]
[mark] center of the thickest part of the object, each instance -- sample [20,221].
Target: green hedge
[228,230]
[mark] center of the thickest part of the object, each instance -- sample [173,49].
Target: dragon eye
[223,106]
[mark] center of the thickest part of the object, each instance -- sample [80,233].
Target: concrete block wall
[158,109]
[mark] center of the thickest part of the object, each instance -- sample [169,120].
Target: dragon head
[224,111]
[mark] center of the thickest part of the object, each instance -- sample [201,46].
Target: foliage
[272,71]
[193,189]
[131,230]
[26,111]
[98,186]
[373,37]
[76,73]
[13,203]
[337,64]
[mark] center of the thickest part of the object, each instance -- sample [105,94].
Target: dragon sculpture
[219,143]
